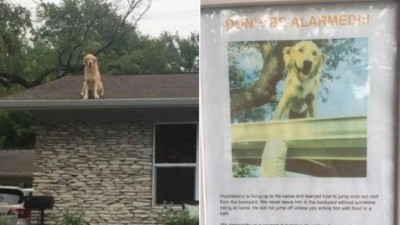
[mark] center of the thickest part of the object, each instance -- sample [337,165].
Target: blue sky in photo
[348,95]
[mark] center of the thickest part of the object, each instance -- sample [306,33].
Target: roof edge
[99,103]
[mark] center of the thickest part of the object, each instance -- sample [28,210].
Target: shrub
[72,218]
[4,221]
[182,217]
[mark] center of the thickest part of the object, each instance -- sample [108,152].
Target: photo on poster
[299,107]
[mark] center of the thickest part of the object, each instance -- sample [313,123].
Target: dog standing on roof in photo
[303,63]
[92,85]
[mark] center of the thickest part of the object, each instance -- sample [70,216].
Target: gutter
[99,103]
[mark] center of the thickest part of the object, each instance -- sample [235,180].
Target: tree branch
[7,79]
[263,90]
[117,34]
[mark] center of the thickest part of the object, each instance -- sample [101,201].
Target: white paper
[367,86]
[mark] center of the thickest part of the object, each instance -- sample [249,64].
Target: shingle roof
[122,91]
[117,87]
[16,162]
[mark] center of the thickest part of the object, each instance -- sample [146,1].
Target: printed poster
[298,118]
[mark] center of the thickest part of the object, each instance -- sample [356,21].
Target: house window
[175,163]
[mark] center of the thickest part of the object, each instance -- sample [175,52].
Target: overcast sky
[175,16]
[182,16]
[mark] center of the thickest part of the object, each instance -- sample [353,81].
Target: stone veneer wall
[104,169]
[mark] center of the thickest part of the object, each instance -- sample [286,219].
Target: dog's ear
[286,56]
[84,61]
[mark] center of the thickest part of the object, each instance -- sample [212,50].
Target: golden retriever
[92,83]
[303,63]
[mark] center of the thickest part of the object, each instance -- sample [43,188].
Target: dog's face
[306,58]
[90,60]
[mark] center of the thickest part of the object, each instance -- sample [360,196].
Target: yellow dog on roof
[92,84]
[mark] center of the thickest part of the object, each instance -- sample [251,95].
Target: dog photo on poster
[299,107]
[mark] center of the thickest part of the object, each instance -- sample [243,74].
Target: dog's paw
[85,97]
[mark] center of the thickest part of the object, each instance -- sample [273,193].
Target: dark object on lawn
[40,203]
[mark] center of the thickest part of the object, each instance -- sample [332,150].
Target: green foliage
[244,170]
[17,130]
[15,23]
[258,113]
[76,27]
[189,52]
[145,55]
[238,77]
[4,221]
[71,28]
[72,218]
[182,217]
[337,51]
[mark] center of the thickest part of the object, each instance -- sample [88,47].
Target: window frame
[174,165]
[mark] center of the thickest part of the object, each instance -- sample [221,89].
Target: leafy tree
[243,170]
[79,26]
[249,91]
[189,52]
[73,28]
[15,23]
[17,130]
[68,31]
[138,54]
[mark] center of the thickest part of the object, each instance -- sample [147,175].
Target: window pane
[176,143]
[175,185]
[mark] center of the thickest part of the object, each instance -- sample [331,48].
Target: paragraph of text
[298,202]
